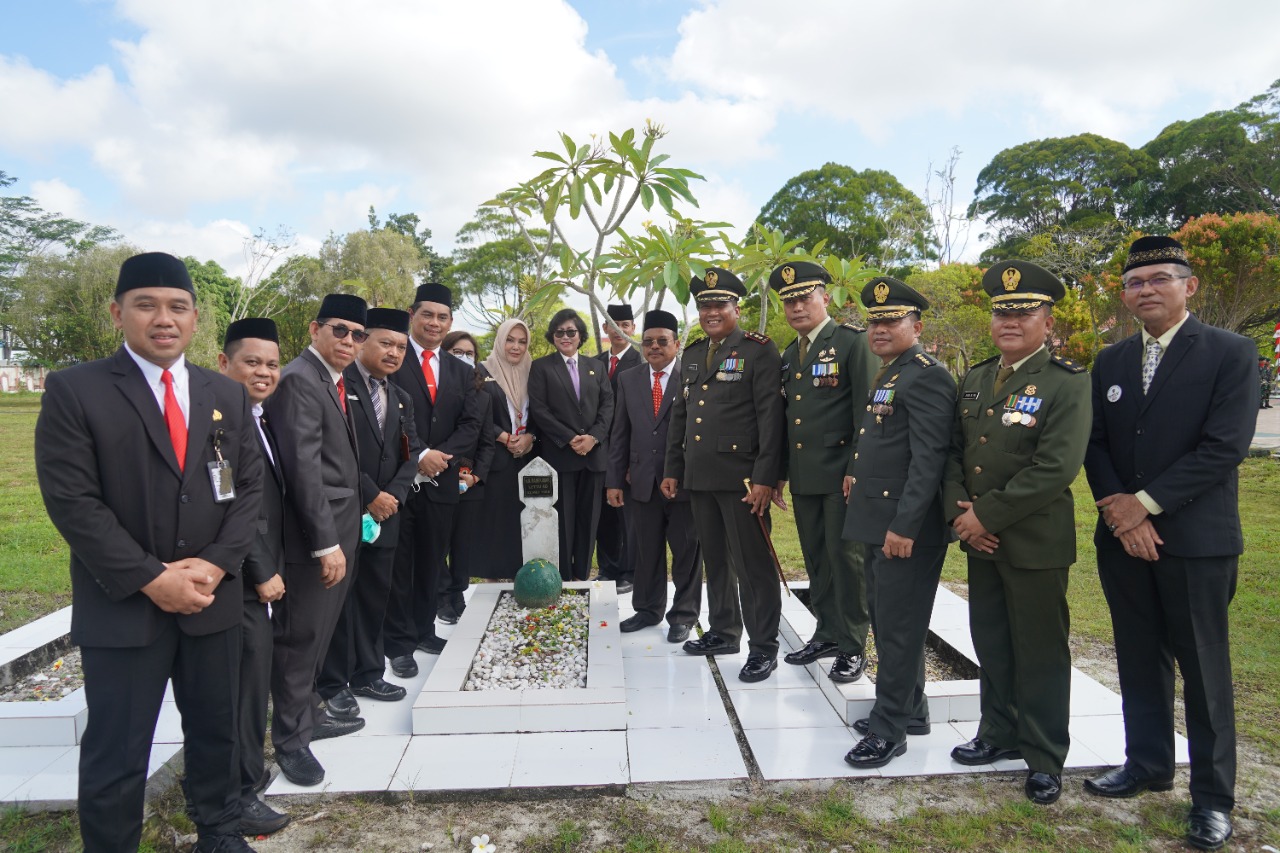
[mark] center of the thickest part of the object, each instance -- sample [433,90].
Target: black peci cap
[154,269]
[262,328]
[392,319]
[343,306]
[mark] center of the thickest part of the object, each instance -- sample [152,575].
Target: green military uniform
[1016,447]
[825,392]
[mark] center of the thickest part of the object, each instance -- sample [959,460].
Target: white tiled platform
[677,729]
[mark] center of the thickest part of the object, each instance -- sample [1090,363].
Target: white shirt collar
[813,333]
[1167,337]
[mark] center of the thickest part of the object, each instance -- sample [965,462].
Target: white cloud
[55,196]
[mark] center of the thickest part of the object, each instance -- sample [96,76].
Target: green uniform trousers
[837,589]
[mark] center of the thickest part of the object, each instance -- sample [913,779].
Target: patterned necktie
[1002,376]
[375,394]
[428,374]
[573,376]
[712,348]
[804,347]
[613,365]
[342,394]
[1154,351]
[174,421]
[657,392]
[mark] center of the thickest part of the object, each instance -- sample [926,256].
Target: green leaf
[664,196]
[576,194]
[568,144]
[550,155]
[646,196]
[670,273]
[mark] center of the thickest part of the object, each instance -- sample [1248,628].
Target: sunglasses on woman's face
[566,333]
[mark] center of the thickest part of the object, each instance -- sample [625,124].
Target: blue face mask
[466,358]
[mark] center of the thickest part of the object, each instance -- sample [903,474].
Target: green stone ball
[538,584]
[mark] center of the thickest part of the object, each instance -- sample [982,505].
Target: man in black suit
[311,424]
[613,545]
[442,390]
[251,356]
[150,470]
[637,453]
[1173,414]
[383,417]
[572,403]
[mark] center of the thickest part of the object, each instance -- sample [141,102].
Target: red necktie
[342,394]
[613,365]
[428,374]
[657,392]
[174,421]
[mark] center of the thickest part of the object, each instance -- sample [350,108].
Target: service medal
[1015,417]
[1006,418]
[1029,421]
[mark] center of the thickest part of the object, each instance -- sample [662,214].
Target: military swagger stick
[768,540]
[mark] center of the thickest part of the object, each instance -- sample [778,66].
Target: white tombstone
[539,520]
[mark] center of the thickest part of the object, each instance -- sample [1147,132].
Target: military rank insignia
[731,370]
[882,403]
[1021,409]
[826,374]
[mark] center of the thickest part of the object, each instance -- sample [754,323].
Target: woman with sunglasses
[570,398]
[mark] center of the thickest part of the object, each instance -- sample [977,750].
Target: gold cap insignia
[217,416]
[788,275]
[1011,277]
[881,292]
[1030,389]
[712,278]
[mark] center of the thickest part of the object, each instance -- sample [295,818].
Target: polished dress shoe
[711,643]
[624,587]
[381,690]
[343,705]
[874,751]
[635,623]
[335,727]
[447,614]
[978,751]
[1043,788]
[812,651]
[221,844]
[263,781]
[677,633]
[404,666]
[757,668]
[914,727]
[1208,829]
[431,645]
[1118,783]
[300,767]
[258,818]
[847,669]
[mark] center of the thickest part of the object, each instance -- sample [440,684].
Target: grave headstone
[539,520]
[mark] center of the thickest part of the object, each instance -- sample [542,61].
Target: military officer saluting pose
[726,430]
[895,507]
[826,373]
[1021,428]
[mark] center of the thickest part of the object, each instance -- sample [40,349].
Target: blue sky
[189,125]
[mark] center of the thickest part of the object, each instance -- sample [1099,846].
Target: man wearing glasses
[1173,414]
[318,459]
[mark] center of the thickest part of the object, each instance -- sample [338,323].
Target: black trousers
[355,651]
[613,548]
[1175,609]
[425,530]
[469,547]
[255,688]
[579,508]
[653,526]
[124,688]
[900,595]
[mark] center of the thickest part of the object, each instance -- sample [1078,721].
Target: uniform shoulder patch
[757,337]
[1068,365]
[851,327]
[925,360]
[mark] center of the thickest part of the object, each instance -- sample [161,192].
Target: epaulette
[1068,364]
[925,360]
[984,361]
[757,337]
[853,328]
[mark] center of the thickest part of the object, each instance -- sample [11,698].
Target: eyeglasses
[565,333]
[340,332]
[1158,280]
[656,342]
[462,352]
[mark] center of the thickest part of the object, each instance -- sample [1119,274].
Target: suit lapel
[274,452]
[669,395]
[199,417]
[134,387]
[355,381]
[1181,344]
[322,373]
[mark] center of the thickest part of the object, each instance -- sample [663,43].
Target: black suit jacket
[450,424]
[626,361]
[561,415]
[112,486]
[1182,441]
[266,554]
[318,457]
[638,440]
[388,454]
[500,422]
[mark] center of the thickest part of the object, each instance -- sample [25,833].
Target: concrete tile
[571,758]
[456,763]
[790,708]
[804,753]
[351,763]
[678,755]
[675,707]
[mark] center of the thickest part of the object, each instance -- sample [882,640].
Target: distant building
[14,375]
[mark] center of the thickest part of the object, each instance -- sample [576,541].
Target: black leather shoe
[343,705]
[847,668]
[757,668]
[874,751]
[300,767]
[221,844]
[263,781]
[677,633]
[1119,783]
[711,643]
[404,666]
[624,587]
[446,614]
[258,818]
[812,651]
[1043,788]
[432,645]
[635,623]
[1208,829]
[914,727]
[381,690]
[978,751]
[334,727]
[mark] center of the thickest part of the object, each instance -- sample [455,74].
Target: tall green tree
[958,322]
[492,266]
[410,225]
[382,266]
[1237,260]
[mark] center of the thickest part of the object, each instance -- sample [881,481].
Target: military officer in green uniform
[1021,428]
[726,431]
[895,507]
[826,373]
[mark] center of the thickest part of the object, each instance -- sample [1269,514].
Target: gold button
[853,480]
[977,469]
[842,442]
[990,412]
[697,438]
[702,402]
[799,446]
[965,412]
[735,447]
[799,375]
[886,494]
[982,440]
[797,396]
[861,431]
[704,387]
[973,497]
[697,420]
[797,422]
[855,456]
[868,408]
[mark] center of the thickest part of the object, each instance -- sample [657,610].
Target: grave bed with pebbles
[529,648]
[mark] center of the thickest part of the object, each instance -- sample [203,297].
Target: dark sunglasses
[340,331]
[565,333]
